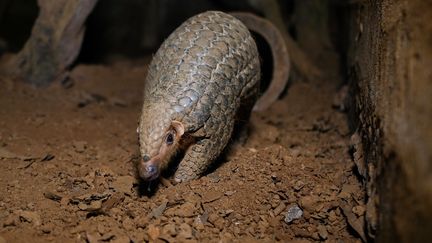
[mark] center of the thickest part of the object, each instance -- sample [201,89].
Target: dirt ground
[67,170]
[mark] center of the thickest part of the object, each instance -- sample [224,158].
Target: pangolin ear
[178,127]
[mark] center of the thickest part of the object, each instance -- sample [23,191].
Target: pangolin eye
[169,138]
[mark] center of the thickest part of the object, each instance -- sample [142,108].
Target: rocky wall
[389,62]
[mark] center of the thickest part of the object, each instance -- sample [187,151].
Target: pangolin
[199,79]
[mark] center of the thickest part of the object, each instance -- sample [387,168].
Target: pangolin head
[159,137]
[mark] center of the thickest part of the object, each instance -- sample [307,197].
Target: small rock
[47,157]
[6,154]
[214,177]
[253,150]
[211,196]
[275,201]
[141,221]
[359,210]
[121,239]
[220,223]
[295,152]
[225,213]
[52,196]
[212,218]
[30,206]
[198,223]
[301,232]
[124,184]
[189,197]
[29,216]
[11,220]
[158,211]
[185,231]
[93,206]
[227,237]
[298,185]
[309,203]
[103,229]
[256,218]
[128,224]
[169,229]
[357,223]
[322,232]
[186,210]
[105,237]
[79,146]
[229,193]
[153,232]
[275,178]
[315,236]
[204,217]
[47,228]
[104,171]
[347,191]
[113,201]
[332,216]
[293,213]
[279,209]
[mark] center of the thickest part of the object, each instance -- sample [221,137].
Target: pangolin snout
[148,170]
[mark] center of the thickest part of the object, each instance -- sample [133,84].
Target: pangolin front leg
[200,155]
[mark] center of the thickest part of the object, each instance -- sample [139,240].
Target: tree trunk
[55,41]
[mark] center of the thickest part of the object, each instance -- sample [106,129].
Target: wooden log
[54,43]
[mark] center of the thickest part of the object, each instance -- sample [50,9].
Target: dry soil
[67,172]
